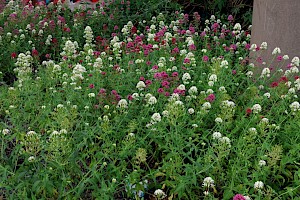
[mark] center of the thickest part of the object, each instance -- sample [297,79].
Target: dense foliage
[159,109]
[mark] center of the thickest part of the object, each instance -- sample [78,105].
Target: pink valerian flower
[233,46]
[186,61]
[248,111]
[13,55]
[175,74]
[192,47]
[167,94]
[230,18]
[165,84]
[203,34]
[148,82]
[233,72]
[247,46]
[274,84]
[210,98]
[279,58]
[197,17]
[239,197]
[192,29]
[154,67]
[283,79]
[142,78]
[205,58]
[102,91]
[130,97]
[160,90]
[91,86]
[178,91]
[35,53]
[175,50]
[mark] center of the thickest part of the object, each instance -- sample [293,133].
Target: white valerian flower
[152,100]
[60,106]
[193,90]
[165,113]
[262,163]
[285,57]
[265,73]
[256,108]
[258,185]
[217,135]
[208,182]
[225,140]
[5,131]
[186,77]
[159,194]
[253,47]
[114,180]
[295,61]
[213,78]
[31,159]
[191,111]
[122,103]
[156,118]
[268,95]
[224,64]
[140,85]
[264,45]
[91,95]
[206,105]
[219,120]
[252,130]
[295,106]
[249,74]
[276,51]
[265,120]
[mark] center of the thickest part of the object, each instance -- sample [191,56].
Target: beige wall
[277,22]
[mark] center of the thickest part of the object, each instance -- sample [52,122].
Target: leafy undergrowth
[161,109]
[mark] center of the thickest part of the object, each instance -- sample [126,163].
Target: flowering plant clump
[164,108]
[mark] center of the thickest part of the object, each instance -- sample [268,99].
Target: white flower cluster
[295,106]
[98,63]
[223,140]
[227,104]
[122,103]
[193,91]
[69,49]
[295,61]
[150,99]
[23,64]
[208,182]
[141,85]
[5,131]
[88,35]
[212,79]
[276,51]
[77,72]
[155,118]
[186,77]
[258,185]
[159,194]
[256,108]
[191,57]
[224,63]
[264,45]
[265,73]
[48,40]
[297,84]
[126,29]
[115,43]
